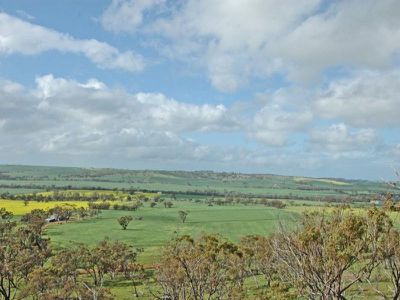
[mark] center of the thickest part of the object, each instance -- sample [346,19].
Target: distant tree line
[341,195]
[90,196]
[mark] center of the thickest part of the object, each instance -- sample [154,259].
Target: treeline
[108,205]
[244,200]
[337,255]
[79,196]
[59,213]
[340,197]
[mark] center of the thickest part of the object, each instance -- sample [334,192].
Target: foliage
[22,249]
[183,215]
[329,254]
[207,268]
[124,221]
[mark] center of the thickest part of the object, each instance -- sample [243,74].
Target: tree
[83,212]
[329,253]
[35,219]
[60,277]
[389,255]
[259,257]
[124,221]
[183,215]
[105,258]
[5,215]
[134,272]
[168,204]
[63,213]
[21,251]
[206,268]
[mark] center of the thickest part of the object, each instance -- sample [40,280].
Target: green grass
[161,224]
[180,181]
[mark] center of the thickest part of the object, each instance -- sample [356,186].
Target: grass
[160,224]
[175,181]
[323,180]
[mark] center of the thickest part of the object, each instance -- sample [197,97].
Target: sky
[305,87]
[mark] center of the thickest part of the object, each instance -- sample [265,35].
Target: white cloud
[369,99]
[353,33]
[126,15]
[18,36]
[283,112]
[237,41]
[272,124]
[339,140]
[68,117]
[233,50]
[91,121]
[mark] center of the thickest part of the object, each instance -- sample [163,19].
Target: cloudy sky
[305,87]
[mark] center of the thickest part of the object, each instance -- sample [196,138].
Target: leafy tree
[82,212]
[168,204]
[329,253]
[259,257]
[21,251]
[5,215]
[63,213]
[124,221]
[183,215]
[207,268]
[389,271]
[60,277]
[35,215]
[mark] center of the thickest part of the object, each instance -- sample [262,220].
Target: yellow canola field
[17,207]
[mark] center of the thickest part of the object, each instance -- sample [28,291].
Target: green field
[160,224]
[239,204]
[14,177]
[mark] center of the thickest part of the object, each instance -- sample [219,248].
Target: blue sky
[306,87]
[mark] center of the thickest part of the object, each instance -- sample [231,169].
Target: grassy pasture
[181,181]
[160,224]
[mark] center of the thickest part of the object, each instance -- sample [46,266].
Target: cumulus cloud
[368,99]
[339,140]
[66,121]
[232,51]
[68,117]
[300,39]
[18,36]
[272,124]
[282,113]
[354,33]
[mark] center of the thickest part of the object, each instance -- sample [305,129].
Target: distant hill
[15,178]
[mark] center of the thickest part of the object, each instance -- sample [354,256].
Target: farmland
[229,205]
[189,191]
[14,178]
[159,225]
